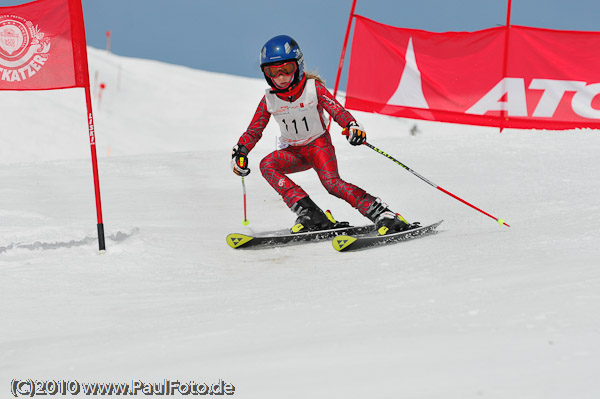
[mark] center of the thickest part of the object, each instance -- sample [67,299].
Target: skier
[296,100]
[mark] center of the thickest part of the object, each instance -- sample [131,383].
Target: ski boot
[386,221]
[312,218]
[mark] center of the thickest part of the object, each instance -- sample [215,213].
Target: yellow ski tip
[237,240]
[341,242]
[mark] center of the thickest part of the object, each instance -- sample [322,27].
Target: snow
[477,311]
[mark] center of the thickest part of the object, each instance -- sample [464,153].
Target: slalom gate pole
[500,221]
[92,134]
[245,222]
[503,115]
[343,55]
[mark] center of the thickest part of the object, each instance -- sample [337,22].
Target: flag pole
[80,61]
[341,63]
[92,134]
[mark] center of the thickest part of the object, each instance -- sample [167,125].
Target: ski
[242,241]
[348,242]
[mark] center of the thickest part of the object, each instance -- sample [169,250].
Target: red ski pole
[500,221]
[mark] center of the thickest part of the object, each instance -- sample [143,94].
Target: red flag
[552,78]
[42,46]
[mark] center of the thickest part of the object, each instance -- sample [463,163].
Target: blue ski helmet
[279,50]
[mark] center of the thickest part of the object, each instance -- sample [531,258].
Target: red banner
[42,46]
[518,77]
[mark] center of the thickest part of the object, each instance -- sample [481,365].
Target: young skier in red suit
[297,101]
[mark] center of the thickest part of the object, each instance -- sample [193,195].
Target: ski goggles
[273,71]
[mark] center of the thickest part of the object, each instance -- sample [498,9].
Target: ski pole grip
[345,132]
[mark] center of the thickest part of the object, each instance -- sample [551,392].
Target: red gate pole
[341,64]
[503,116]
[92,134]
[508,12]
[80,61]
[108,37]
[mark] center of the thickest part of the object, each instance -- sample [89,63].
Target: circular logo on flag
[14,38]
[23,48]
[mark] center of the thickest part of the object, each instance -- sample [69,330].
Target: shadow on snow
[117,237]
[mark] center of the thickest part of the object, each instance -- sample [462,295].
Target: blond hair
[315,76]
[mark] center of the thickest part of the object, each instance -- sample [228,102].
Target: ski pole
[500,221]
[245,222]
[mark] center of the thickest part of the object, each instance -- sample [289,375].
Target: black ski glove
[239,160]
[356,133]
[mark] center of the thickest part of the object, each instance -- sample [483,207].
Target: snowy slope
[477,311]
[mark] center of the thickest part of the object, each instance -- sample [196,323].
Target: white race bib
[300,121]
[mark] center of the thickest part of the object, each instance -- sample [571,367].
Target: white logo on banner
[510,95]
[410,89]
[23,48]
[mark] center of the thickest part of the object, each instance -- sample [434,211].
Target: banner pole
[503,116]
[92,134]
[341,63]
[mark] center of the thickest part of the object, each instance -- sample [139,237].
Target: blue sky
[227,35]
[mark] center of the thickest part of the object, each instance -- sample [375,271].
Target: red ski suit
[318,155]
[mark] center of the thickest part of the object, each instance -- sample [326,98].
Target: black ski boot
[386,221]
[310,217]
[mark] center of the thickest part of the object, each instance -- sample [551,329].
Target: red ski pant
[320,156]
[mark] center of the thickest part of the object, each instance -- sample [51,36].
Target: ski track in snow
[476,311]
